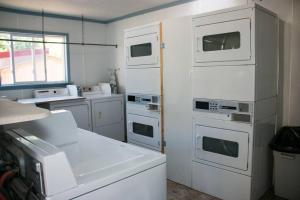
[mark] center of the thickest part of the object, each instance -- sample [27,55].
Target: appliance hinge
[162,45]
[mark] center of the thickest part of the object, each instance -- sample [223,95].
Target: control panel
[152,102]
[234,110]
[221,106]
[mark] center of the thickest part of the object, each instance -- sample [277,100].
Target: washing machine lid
[97,161]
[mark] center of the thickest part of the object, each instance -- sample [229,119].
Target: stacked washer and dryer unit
[144,85]
[234,88]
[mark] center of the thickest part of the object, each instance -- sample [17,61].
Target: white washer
[77,164]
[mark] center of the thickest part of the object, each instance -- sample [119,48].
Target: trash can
[286,150]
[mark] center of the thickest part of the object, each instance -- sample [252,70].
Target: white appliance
[143,66]
[143,120]
[231,157]
[234,90]
[53,94]
[223,40]
[108,116]
[61,161]
[142,46]
[235,54]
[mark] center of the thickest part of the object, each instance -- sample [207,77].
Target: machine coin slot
[202,105]
[146,100]
[228,107]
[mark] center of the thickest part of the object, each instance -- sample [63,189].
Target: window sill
[19,87]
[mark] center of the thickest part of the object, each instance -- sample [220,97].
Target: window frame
[40,84]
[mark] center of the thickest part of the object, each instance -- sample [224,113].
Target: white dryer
[230,147]
[142,46]
[142,56]
[143,121]
[235,54]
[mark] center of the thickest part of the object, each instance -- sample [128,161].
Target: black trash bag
[287,140]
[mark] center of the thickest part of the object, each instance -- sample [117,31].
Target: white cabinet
[108,116]
[80,110]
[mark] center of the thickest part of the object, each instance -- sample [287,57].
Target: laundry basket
[286,148]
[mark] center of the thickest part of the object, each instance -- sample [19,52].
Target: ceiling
[103,10]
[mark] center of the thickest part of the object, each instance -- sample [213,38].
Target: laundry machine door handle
[197,46]
[130,128]
[198,142]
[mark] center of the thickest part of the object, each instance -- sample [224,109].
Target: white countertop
[102,96]
[48,99]
[13,112]
[65,98]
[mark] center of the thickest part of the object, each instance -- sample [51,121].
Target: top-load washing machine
[59,161]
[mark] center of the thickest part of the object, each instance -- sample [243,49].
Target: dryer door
[142,51]
[143,130]
[223,41]
[221,146]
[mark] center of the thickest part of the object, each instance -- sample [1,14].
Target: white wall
[88,64]
[282,7]
[294,86]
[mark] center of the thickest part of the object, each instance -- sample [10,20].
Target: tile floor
[181,192]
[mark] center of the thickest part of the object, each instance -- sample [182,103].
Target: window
[29,61]
[224,41]
[142,129]
[140,50]
[219,146]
